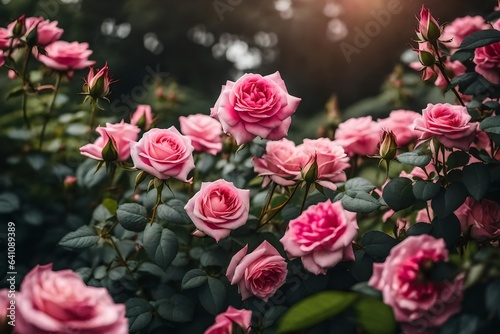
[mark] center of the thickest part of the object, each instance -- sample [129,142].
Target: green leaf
[359,201]
[315,309]
[160,244]
[398,193]
[87,176]
[110,204]
[377,244]
[374,316]
[213,295]
[205,163]
[132,216]
[272,315]
[476,178]
[362,267]
[480,38]
[216,257]
[84,237]
[8,203]
[491,125]
[359,184]
[101,214]
[194,278]
[139,313]
[449,199]
[177,308]
[419,228]
[367,290]
[492,296]
[151,268]
[173,214]
[425,190]
[447,228]
[420,157]
[457,159]
[442,271]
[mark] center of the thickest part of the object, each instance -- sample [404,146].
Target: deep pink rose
[2,58]
[420,305]
[487,60]
[482,218]
[359,136]
[260,273]
[330,159]
[120,134]
[5,37]
[450,124]
[255,106]
[65,56]
[400,122]
[281,163]
[428,27]
[204,131]
[142,117]
[57,302]
[321,236]
[218,208]
[48,31]
[224,322]
[462,27]
[164,153]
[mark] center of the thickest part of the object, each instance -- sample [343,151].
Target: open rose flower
[225,322]
[260,273]
[218,208]
[142,117]
[5,37]
[487,60]
[359,136]
[65,56]
[482,218]
[281,163]
[47,31]
[321,236]
[419,304]
[57,302]
[255,106]
[450,124]
[400,122]
[204,132]
[120,134]
[164,153]
[461,27]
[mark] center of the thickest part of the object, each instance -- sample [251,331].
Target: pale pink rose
[57,302]
[487,60]
[281,163]
[359,136]
[218,208]
[400,122]
[65,56]
[5,38]
[260,273]
[204,131]
[143,116]
[48,31]
[418,304]
[255,106]
[330,159]
[164,153]
[483,142]
[321,236]
[225,322]
[121,135]
[450,124]
[462,27]
[425,216]
[481,218]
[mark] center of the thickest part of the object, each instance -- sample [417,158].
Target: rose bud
[388,145]
[97,85]
[428,28]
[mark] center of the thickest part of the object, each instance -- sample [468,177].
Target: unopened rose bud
[388,146]
[69,182]
[310,171]
[109,153]
[426,58]
[97,85]
[428,27]
[19,28]
[32,38]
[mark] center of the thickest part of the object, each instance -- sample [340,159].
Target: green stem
[268,200]
[440,65]
[92,118]
[159,190]
[24,76]
[51,108]
[281,206]
[306,192]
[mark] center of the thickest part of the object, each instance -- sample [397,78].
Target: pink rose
[4,304]
[487,60]
[428,27]
[330,158]
[321,236]
[400,122]
[65,56]
[142,117]
[255,106]
[482,218]
[204,131]
[2,59]
[120,134]
[224,322]
[218,208]
[58,302]
[359,136]
[164,153]
[48,31]
[5,37]
[260,273]
[281,163]
[450,124]
[462,27]
[419,304]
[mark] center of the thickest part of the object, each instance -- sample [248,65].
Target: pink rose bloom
[260,273]
[482,218]
[5,37]
[450,124]
[359,136]
[462,27]
[65,56]
[164,153]
[143,116]
[281,163]
[48,31]
[57,302]
[330,158]
[224,322]
[321,236]
[255,106]
[400,122]
[2,59]
[453,69]
[417,303]
[487,60]
[218,208]
[120,134]
[204,131]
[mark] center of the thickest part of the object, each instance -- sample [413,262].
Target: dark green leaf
[362,267]
[178,309]
[450,199]
[132,216]
[101,214]
[442,271]
[359,201]
[151,268]
[139,313]
[359,184]
[194,278]
[476,178]
[216,257]
[420,157]
[272,315]
[480,38]
[461,323]
[398,193]
[84,237]
[492,298]
[8,203]
[374,316]
[425,190]
[447,228]
[367,290]
[377,244]
[457,159]
[462,55]
[419,228]
[86,174]
[160,244]
[212,296]
[205,163]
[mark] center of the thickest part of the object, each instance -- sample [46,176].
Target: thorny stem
[440,65]
[93,110]
[24,76]
[268,200]
[281,206]
[51,108]
[308,186]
